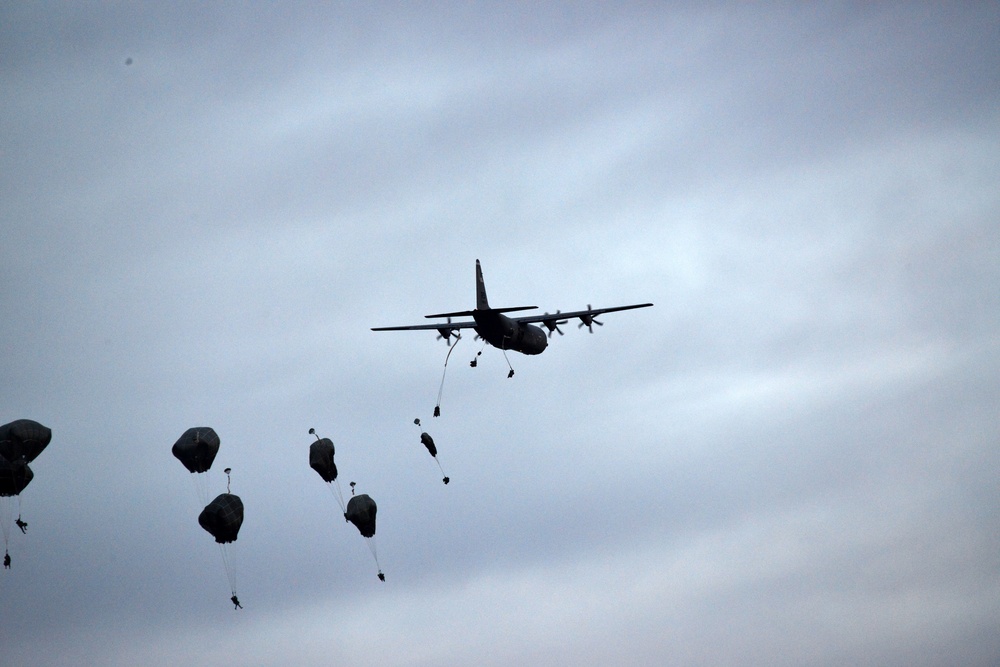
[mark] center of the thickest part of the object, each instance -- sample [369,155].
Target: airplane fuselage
[502,332]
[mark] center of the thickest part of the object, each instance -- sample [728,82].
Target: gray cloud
[786,461]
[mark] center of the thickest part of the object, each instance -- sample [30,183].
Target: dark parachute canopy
[223,517]
[428,442]
[321,459]
[23,439]
[14,476]
[197,448]
[361,512]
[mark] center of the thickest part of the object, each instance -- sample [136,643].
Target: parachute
[223,517]
[14,477]
[361,512]
[321,457]
[321,460]
[427,441]
[20,442]
[197,448]
[23,439]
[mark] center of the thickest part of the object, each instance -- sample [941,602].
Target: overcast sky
[791,459]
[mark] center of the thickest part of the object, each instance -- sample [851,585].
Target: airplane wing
[550,320]
[584,315]
[429,327]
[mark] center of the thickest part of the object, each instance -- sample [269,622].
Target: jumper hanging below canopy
[361,512]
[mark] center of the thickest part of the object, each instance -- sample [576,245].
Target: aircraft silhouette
[509,333]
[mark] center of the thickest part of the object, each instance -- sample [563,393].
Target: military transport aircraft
[509,333]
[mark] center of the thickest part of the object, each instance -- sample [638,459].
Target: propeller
[588,321]
[553,324]
[447,332]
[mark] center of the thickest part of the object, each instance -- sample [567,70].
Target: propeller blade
[588,321]
[446,333]
[552,324]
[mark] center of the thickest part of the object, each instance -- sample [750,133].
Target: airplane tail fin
[482,305]
[481,302]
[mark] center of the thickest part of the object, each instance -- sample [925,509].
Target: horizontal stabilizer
[512,309]
[471,313]
[460,313]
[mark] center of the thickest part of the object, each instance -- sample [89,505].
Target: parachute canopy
[14,476]
[321,459]
[428,442]
[223,517]
[361,512]
[197,448]
[23,439]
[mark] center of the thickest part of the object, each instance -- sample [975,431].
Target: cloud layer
[788,460]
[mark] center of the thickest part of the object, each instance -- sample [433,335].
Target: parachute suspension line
[200,482]
[230,577]
[338,494]
[373,547]
[224,548]
[7,509]
[478,354]
[444,477]
[6,518]
[511,373]
[451,348]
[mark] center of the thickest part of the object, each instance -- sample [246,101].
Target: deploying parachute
[361,512]
[223,517]
[427,441]
[321,460]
